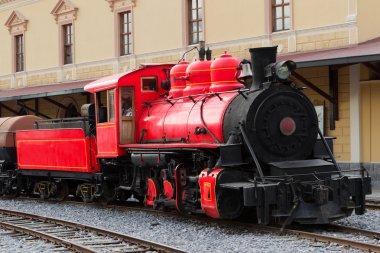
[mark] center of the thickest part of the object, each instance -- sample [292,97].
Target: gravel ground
[370,221]
[191,236]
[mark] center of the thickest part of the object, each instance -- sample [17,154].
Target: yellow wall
[41,35]
[94,36]
[157,25]
[5,45]
[232,20]
[319,77]
[317,13]
[370,121]
[368,19]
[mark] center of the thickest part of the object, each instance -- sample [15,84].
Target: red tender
[60,149]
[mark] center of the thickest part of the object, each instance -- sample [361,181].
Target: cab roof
[110,82]
[104,83]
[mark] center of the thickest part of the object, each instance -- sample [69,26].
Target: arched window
[22,111]
[71,111]
[69,108]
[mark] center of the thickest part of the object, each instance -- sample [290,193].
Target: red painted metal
[287,126]
[104,83]
[198,78]
[178,122]
[168,189]
[56,149]
[207,183]
[178,79]
[109,133]
[223,71]
[107,139]
[152,192]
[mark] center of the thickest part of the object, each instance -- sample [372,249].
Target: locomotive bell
[245,71]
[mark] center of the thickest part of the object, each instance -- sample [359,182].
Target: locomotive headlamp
[280,70]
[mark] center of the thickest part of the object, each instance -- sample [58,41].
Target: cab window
[149,83]
[106,106]
[126,97]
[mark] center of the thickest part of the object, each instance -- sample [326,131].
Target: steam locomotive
[222,137]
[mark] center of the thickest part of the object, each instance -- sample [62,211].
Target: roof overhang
[104,83]
[364,52]
[43,91]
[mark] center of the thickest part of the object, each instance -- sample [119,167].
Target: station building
[50,49]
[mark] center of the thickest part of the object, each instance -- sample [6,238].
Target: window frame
[198,21]
[67,45]
[111,106]
[155,78]
[19,52]
[125,35]
[284,3]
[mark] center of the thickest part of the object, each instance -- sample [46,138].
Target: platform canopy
[363,52]
[43,90]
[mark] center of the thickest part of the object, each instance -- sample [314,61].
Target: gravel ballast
[188,235]
[15,242]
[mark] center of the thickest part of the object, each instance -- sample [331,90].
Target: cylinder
[8,128]
[9,125]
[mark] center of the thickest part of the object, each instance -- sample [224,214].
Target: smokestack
[261,57]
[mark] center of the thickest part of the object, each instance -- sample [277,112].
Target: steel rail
[147,245]
[373,204]
[341,241]
[353,230]
[45,236]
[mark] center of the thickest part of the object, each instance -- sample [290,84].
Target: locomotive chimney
[260,58]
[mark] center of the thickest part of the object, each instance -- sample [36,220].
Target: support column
[355,113]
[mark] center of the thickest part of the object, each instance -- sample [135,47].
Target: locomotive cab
[119,100]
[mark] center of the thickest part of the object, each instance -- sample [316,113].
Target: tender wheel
[11,189]
[11,185]
[45,189]
[86,192]
[108,193]
[62,191]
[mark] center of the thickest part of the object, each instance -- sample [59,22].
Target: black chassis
[286,200]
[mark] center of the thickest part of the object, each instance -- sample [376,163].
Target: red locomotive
[205,136]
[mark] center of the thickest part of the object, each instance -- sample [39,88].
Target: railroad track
[77,237]
[369,240]
[303,232]
[373,204]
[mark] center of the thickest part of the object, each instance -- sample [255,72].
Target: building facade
[49,49]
